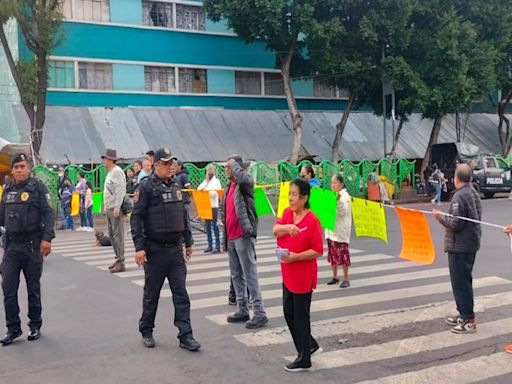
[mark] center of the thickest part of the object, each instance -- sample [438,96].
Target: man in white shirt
[212,184]
[113,195]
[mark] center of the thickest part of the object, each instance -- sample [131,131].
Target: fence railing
[263,173]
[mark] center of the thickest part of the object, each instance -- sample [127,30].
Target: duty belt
[23,237]
[166,245]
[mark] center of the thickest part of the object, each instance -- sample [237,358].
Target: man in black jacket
[462,241]
[241,225]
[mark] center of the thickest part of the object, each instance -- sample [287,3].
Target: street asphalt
[388,327]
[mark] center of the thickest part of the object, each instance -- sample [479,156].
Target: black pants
[27,258]
[164,262]
[461,268]
[296,312]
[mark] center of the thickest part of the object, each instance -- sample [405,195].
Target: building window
[192,80]
[190,17]
[321,89]
[248,83]
[157,14]
[61,74]
[95,76]
[91,10]
[159,79]
[274,84]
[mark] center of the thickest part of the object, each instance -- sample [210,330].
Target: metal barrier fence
[354,174]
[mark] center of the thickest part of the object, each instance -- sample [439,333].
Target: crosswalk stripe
[261,260]
[460,372]
[375,297]
[371,322]
[408,346]
[263,281]
[273,268]
[368,282]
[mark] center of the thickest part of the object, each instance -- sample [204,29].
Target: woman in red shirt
[299,232]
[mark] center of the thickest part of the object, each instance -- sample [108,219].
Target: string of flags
[369,217]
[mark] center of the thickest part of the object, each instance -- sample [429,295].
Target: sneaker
[207,250]
[148,341]
[433,201]
[466,326]
[216,251]
[508,348]
[316,349]
[189,343]
[9,337]
[238,317]
[257,322]
[345,284]
[34,334]
[297,366]
[452,321]
[119,267]
[333,281]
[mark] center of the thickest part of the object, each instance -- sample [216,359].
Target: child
[339,239]
[88,207]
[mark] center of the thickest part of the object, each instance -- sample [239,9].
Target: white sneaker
[90,229]
[79,229]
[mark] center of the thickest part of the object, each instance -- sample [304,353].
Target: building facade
[166,53]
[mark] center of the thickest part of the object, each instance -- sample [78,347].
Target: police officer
[159,225]
[28,218]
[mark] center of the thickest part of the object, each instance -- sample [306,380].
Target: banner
[203,204]
[417,244]
[369,219]
[283,202]
[97,202]
[263,206]
[75,204]
[323,204]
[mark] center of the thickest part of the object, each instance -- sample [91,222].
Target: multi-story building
[166,53]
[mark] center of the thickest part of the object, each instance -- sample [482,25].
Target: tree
[39,23]
[354,62]
[455,66]
[493,20]
[286,27]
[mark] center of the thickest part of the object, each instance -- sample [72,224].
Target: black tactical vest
[165,220]
[23,208]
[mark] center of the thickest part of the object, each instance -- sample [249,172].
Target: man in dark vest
[28,218]
[159,225]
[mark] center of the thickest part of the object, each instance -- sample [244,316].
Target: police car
[491,174]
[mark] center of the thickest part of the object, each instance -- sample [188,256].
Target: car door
[494,177]
[506,172]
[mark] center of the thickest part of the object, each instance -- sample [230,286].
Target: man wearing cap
[159,226]
[113,195]
[241,226]
[28,218]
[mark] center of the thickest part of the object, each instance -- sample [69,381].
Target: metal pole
[393,118]
[384,108]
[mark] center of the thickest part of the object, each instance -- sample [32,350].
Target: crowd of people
[162,236]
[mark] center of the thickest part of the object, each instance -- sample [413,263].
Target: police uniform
[28,218]
[159,226]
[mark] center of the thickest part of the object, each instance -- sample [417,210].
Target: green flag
[263,206]
[97,202]
[323,204]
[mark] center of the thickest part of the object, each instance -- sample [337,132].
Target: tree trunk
[340,127]
[504,133]
[292,104]
[433,139]
[397,136]
[27,105]
[40,115]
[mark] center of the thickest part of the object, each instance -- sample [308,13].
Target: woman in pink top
[88,207]
[299,232]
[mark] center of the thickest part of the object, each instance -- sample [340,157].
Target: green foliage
[27,71]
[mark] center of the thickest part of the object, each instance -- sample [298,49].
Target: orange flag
[417,244]
[75,204]
[203,204]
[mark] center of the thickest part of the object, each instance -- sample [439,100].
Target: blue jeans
[439,189]
[244,274]
[70,222]
[461,276]
[212,225]
[88,217]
